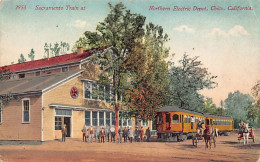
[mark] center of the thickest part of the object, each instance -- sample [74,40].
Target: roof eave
[62,81]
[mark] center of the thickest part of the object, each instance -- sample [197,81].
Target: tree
[120,29]
[209,106]
[31,55]
[254,112]
[21,59]
[236,105]
[148,90]
[4,71]
[186,80]
[58,49]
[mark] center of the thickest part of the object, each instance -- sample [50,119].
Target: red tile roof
[67,58]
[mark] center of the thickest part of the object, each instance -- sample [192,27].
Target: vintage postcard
[129,80]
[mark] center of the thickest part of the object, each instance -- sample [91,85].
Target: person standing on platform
[112,131]
[107,131]
[84,130]
[148,134]
[137,134]
[87,134]
[102,135]
[125,134]
[97,136]
[64,132]
[91,134]
[130,134]
[141,134]
[120,133]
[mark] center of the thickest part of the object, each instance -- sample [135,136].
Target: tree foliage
[21,59]
[56,49]
[211,108]
[31,55]
[120,29]
[4,72]
[148,90]
[186,80]
[236,105]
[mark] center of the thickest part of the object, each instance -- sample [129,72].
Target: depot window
[58,123]
[95,91]
[26,110]
[87,118]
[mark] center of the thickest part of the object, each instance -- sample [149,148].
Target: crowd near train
[174,123]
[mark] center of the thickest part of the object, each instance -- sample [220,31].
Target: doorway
[207,121]
[168,121]
[67,122]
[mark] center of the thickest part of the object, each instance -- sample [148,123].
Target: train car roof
[217,116]
[177,109]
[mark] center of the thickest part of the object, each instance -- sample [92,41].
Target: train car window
[160,118]
[175,118]
[185,119]
[188,119]
[196,119]
[168,118]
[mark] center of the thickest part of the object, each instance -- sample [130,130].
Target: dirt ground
[227,149]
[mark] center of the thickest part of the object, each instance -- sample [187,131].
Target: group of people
[102,134]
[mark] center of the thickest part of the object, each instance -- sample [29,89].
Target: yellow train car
[174,123]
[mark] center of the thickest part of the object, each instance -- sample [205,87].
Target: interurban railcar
[174,123]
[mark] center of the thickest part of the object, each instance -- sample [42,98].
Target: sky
[226,41]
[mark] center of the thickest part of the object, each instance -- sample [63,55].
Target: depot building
[55,91]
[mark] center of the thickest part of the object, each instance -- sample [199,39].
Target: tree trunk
[117,123]
[116,106]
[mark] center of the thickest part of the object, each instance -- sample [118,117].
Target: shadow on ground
[20,142]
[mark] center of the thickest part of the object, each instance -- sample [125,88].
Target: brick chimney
[79,50]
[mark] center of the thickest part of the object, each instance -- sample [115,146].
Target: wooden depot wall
[12,127]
